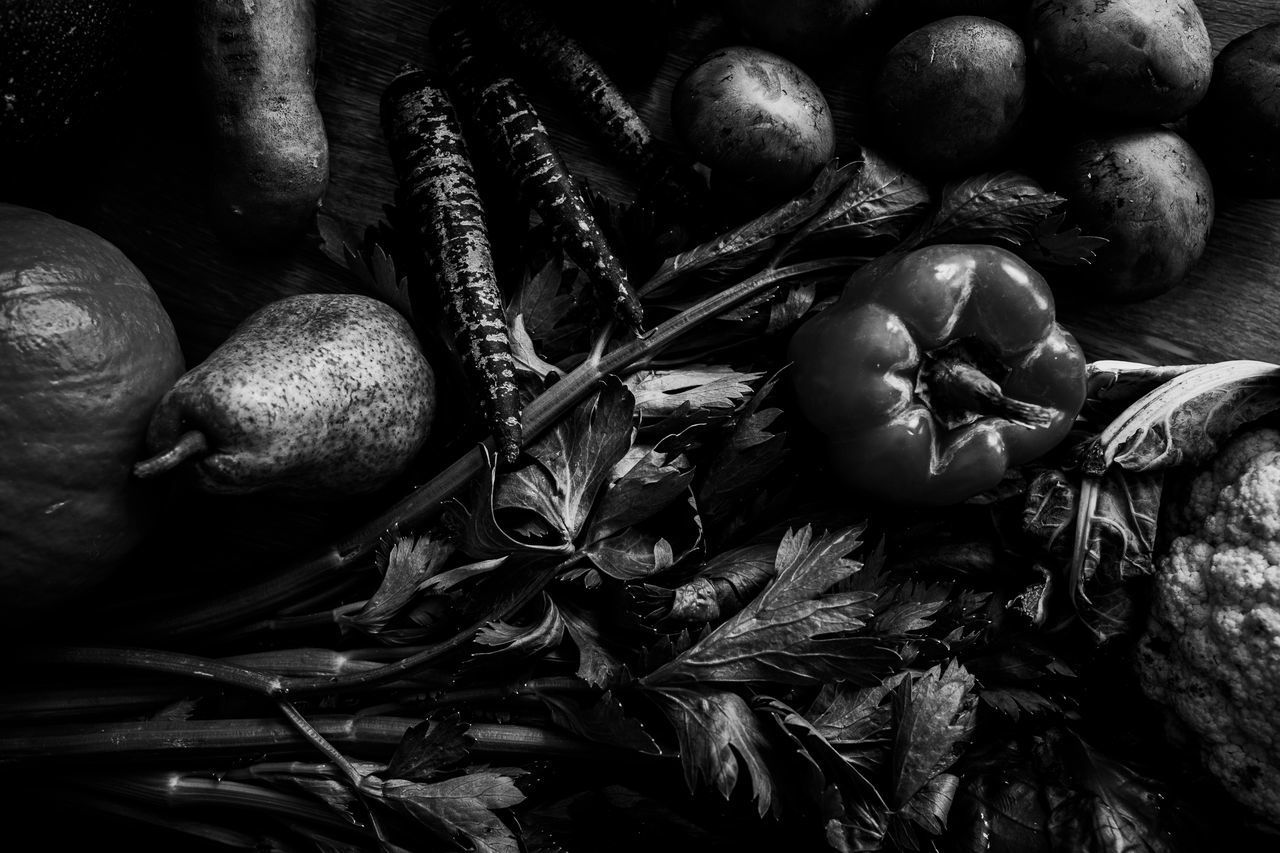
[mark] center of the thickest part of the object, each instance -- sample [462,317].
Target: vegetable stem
[961,384]
[528,587]
[192,739]
[188,446]
[319,741]
[425,502]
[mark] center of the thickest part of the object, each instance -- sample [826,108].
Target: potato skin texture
[948,96]
[755,119]
[1237,125]
[1146,191]
[1146,60]
[271,153]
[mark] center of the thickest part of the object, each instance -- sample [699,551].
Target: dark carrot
[521,142]
[438,189]
[583,81]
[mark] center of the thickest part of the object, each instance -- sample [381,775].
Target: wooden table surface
[144,190]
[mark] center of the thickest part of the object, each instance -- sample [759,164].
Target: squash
[86,352]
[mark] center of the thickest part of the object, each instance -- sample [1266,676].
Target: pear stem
[190,444]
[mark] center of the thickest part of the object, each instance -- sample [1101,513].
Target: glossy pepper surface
[933,375]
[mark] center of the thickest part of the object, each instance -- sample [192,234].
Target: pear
[316,396]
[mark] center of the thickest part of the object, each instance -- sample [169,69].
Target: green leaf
[450,578]
[661,393]
[642,484]
[741,468]
[542,505]
[1122,532]
[834,768]
[504,643]
[1005,207]
[719,737]
[525,352]
[408,564]
[752,243]
[603,720]
[366,259]
[785,313]
[1051,244]
[335,236]
[430,748]
[631,555]
[935,721]
[910,608]
[851,716]
[793,632]
[1049,510]
[462,809]
[541,301]
[724,584]
[880,201]
[1018,703]
[597,665]
[930,806]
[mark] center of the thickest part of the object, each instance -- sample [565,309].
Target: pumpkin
[86,352]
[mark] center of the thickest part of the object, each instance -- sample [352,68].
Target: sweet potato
[271,153]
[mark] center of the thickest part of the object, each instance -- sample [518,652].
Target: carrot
[579,77]
[521,142]
[438,187]
[271,155]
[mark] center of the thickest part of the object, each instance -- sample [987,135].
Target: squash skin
[86,352]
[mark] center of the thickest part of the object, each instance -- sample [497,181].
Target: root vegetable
[439,189]
[527,154]
[271,164]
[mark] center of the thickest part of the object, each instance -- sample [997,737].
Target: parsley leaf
[793,632]
[719,737]
[430,747]
[462,808]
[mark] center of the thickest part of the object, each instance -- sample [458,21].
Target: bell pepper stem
[962,384]
[191,444]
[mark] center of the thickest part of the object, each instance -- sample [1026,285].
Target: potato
[805,31]
[755,119]
[1149,194]
[948,96]
[1237,125]
[1146,60]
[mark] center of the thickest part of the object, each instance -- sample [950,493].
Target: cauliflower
[1211,648]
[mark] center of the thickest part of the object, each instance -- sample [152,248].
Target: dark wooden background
[141,185]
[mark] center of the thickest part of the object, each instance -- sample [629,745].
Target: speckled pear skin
[316,396]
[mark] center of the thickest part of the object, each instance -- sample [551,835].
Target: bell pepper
[934,373]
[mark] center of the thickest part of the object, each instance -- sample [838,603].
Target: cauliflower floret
[1211,650]
[1226,469]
